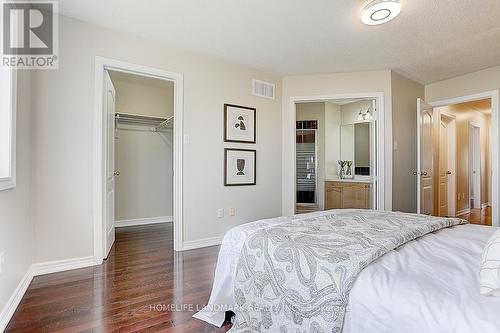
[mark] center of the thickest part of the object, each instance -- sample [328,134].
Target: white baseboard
[62,265]
[15,299]
[205,242]
[144,221]
[39,269]
[463,212]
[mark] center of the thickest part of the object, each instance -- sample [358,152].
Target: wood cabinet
[347,195]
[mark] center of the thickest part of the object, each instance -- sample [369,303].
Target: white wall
[62,179]
[332,139]
[143,95]
[339,83]
[16,229]
[145,185]
[469,84]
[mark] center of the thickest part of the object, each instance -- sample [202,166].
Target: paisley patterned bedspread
[296,276]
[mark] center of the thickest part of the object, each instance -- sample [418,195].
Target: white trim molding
[200,243]
[62,265]
[10,181]
[143,221]
[382,179]
[35,270]
[101,65]
[14,300]
[495,147]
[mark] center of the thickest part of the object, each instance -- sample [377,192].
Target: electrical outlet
[220,213]
[232,211]
[2,255]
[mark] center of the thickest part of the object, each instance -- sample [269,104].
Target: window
[7,129]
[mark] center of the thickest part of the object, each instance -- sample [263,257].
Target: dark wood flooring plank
[120,295]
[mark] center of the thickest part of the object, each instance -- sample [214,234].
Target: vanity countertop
[367,180]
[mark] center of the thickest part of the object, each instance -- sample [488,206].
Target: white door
[109,108]
[444,170]
[425,188]
[475,166]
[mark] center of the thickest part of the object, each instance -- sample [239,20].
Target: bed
[429,284]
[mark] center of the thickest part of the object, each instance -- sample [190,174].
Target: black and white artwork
[239,123]
[239,167]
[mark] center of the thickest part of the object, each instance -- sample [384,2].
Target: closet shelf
[157,122]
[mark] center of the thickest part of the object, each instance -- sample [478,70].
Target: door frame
[102,64]
[473,126]
[383,185]
[495,143]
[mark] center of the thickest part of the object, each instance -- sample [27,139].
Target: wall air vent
[263,89]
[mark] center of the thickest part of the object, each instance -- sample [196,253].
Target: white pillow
[489,277]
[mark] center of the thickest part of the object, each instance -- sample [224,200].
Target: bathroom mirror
[355,146]
[347,142]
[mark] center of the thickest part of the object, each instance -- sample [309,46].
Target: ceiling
[483,105]
[140,80]
[431,40]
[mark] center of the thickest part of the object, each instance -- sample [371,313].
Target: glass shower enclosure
[306,163]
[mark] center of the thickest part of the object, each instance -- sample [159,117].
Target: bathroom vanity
[348,193]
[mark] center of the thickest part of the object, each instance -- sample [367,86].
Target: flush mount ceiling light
[380,11]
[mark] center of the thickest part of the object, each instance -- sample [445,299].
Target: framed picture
[240,167]
[239,123]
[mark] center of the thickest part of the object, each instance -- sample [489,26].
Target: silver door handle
[448,172]
[424,173]
[116,173]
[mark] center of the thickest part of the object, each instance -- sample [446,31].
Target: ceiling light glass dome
[380,11]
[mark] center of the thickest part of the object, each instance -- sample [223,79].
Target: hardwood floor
[132,291]
[478,216]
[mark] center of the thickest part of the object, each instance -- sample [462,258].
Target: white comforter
[428,285]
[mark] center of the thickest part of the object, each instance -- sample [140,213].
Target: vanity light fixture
[380,11]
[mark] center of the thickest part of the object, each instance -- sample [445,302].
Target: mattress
[427,285]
